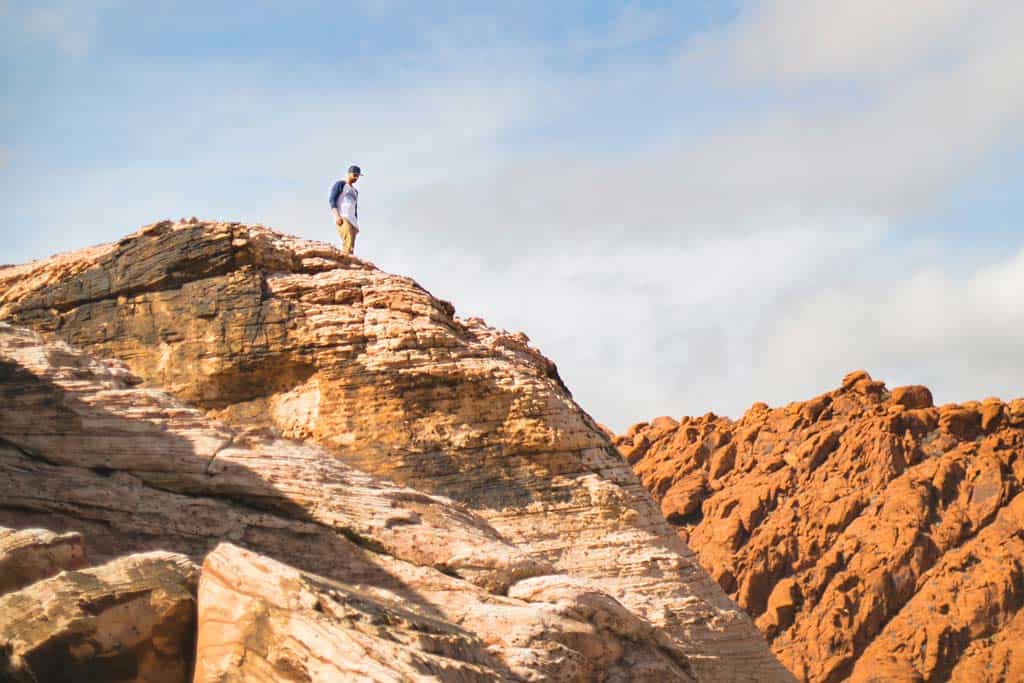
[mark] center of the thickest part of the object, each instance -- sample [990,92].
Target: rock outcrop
[28,555]
[87,448]
[132,619]
[315,380]
[872,535]
[262,620]
[83,447]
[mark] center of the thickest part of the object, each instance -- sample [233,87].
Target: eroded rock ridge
[873,535]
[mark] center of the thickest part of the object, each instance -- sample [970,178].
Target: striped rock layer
[305,374]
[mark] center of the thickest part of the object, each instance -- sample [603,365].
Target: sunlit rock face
[310,387]
[871,534]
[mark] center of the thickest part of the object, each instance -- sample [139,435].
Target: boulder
[28,555]
[132,619]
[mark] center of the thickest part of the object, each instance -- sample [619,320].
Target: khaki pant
[348,233]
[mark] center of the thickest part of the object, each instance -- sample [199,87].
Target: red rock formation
[264,331]
[872,535]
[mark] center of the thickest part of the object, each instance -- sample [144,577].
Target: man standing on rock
[345,205]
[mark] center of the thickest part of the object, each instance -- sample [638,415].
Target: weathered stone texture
[139,470]
[132,619]
[261,620]
[870,534]
[264,330]
[28,555]
[84,446]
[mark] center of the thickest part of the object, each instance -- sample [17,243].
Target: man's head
[354,173]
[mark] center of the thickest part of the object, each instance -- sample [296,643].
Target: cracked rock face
[84,446]
[28,555]
[132,619]
[500,477]
[872,535]
[260,619]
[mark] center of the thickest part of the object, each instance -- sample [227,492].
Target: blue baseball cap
[355,169]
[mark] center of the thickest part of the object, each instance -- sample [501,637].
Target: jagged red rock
[871,534]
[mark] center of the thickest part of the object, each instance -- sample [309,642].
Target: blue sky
[688,206]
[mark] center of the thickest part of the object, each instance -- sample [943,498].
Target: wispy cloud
[70,26]
[632,25]
[796,42]
[960,335]
[679,234]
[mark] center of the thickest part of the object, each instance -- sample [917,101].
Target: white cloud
[638,329]
[960,336]
[800,41]
[70,25]
[889,155]
[631,26]
[782,315]
[664,270]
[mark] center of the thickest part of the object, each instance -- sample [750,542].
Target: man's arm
[335,191]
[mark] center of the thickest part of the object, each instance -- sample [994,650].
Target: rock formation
[872,535]
[28,555]
[515,542]
[132,619]
[262,620]
[87,448]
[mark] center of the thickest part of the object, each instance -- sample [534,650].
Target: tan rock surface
[871,534]
[85,447]
[261,620]
[28,555]
[268,330]
[132,619]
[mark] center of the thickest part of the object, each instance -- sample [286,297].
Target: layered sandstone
[132,619]
[372,379]
[28,555]
[84,447]
[261,620]
[872,535]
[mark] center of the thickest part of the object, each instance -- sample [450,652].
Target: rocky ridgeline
[872,535]
[373,487]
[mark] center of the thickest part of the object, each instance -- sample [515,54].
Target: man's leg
[341,230]
[348,238]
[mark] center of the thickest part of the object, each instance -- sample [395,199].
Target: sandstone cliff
[871,534]
[514,542]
